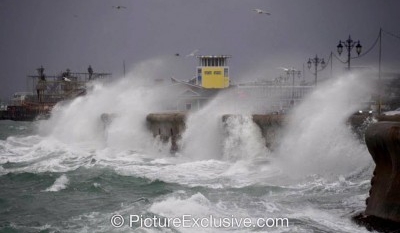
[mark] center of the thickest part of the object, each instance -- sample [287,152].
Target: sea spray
[76,136]
[204,137]
[129,100]
[317,138]
[243,139]
[314,139]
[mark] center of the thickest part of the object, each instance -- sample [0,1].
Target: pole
[316,70]
[293,86]
[348,55]
[379,73]
[124,67]
[331,64]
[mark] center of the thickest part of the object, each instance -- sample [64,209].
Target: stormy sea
[73,173]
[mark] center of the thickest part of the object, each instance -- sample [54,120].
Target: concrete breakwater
[167,126]
[270,125]
[170,126]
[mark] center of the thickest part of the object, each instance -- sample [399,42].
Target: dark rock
[383,141]
[373,223]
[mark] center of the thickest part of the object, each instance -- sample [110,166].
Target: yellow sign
[215,77]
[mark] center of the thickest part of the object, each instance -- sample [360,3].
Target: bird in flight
[259,11]
[119,7]
[66,79]
[288,69]
[285,69]
[192,54]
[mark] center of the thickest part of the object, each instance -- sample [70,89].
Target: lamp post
[349,44]
[316,61]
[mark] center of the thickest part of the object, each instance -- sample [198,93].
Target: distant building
[279,97]
[213,72]
[49,90]
[189,96]
[212,77]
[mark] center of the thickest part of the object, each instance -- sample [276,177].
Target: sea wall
[170,126]
[383,141]
[359,120]
[167,126]
[269,124]
[271,127]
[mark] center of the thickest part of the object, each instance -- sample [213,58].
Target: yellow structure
[213,72]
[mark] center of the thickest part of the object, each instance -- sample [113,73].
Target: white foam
[326,221]
[196,205]
[200,205]
[60,184]
[243,139]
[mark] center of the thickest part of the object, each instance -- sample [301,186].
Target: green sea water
[48,188]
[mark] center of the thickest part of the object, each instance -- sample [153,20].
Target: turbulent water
[72,174]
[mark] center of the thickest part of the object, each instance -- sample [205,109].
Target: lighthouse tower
[213,72]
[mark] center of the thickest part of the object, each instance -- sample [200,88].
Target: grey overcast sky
[61,34]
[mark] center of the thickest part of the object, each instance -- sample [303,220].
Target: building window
[226,72]
[188,106]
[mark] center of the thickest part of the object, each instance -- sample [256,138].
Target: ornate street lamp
[316,61]
[349,44]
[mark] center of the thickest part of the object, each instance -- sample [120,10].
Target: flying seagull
[288,70]
[285,69]
[119,7]
[192,54]
[66,79]
[259,11]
